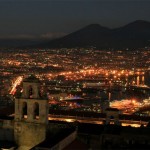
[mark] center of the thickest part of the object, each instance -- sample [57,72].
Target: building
[31,115]
[30,128]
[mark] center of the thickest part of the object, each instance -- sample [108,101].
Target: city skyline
[50,19]
[74,74]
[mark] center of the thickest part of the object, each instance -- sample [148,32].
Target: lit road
[131,123]
[91,120]
[16,83]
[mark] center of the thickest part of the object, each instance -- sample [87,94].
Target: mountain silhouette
[132,35]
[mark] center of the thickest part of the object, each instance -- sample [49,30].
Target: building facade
[31,115]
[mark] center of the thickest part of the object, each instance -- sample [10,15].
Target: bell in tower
[31,88]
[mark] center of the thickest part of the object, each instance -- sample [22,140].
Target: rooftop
[52,139]
[31,78]
[77,145]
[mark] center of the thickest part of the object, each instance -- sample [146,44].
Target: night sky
[52,18]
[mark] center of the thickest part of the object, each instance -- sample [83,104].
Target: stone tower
[31,115]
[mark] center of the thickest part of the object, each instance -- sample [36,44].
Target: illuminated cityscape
[81,88]
[72,79]
[74,75]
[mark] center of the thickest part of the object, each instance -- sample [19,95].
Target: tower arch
[31,88]
[24,110]
[36,110]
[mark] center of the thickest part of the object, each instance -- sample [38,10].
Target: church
[29,125]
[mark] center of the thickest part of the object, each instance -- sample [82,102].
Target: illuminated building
[31,129]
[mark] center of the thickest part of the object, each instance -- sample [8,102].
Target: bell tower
[31,115]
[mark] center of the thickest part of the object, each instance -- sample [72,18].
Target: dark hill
[133,35]
[135,30]
[85,37]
